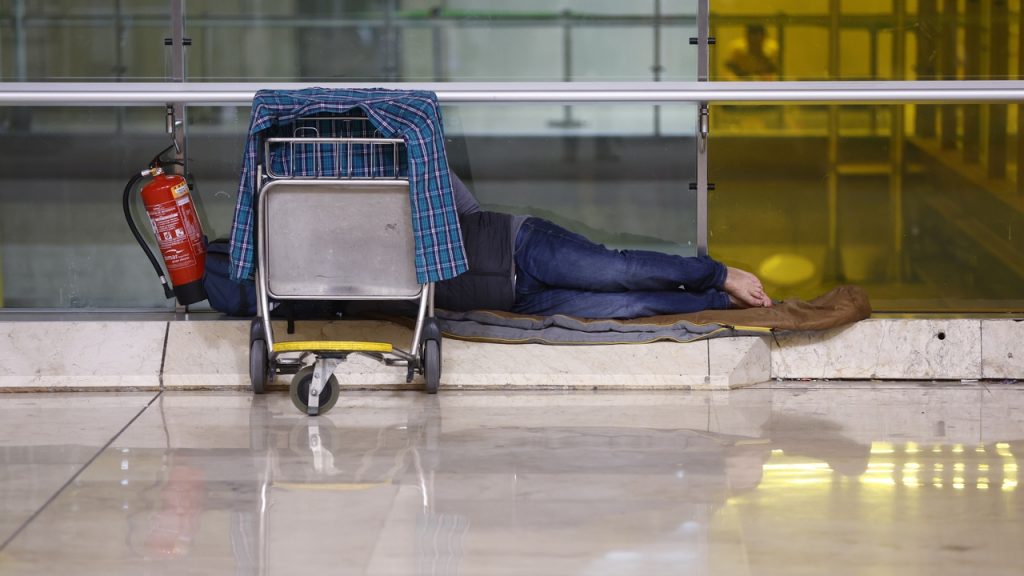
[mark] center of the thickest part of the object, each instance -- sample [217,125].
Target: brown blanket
[841,306]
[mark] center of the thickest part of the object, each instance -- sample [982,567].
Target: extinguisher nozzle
[168,292]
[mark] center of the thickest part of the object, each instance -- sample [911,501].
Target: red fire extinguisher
[175,223]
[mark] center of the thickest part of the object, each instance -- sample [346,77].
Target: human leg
[631,304]
[556,257]
[745,289]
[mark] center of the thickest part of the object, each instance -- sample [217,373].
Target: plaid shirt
[414,116]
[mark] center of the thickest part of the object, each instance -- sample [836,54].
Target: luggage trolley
[329,229]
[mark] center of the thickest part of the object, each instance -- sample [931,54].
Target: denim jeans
[560,272]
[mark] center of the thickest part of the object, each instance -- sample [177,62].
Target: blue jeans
[560,272]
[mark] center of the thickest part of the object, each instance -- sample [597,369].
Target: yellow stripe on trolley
[331,346]
[337,486]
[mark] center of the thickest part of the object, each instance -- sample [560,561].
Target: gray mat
[841,306]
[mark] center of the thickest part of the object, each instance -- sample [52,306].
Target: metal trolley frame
[325,233]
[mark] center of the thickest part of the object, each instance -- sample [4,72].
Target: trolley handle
[319,143]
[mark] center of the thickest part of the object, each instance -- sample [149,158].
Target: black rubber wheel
[299,391]
[432,365]
[256,330]
[259,366]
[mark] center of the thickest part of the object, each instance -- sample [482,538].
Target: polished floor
[785,478]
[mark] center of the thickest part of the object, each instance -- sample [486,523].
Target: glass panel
[216,141]
[65,40]
[64,243]
[63,238]
[629,188]
[926,217]
[625,185]
[874,39]
[677,57]
[415,40]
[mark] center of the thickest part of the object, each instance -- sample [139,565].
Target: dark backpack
[239,298]
[224,294]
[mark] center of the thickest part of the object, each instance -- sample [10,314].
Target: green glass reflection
[216,142]
[617,174]
[865,39]
[64,242]
[909,202]
[458,40]
[70,41]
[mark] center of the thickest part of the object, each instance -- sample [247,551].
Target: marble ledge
[944,349]
[200,353]
[1002,350]
[737,362]
[81,355]
[214,354]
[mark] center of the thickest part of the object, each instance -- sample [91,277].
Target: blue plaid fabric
[333,160]
[413,116]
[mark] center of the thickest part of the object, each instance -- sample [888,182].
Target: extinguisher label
[179,189]
[190,221]
[172,235]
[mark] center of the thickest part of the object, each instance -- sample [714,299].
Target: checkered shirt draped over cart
[413,116]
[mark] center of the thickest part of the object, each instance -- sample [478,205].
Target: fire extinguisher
[175,223]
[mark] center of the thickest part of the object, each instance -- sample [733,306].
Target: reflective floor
[786,478]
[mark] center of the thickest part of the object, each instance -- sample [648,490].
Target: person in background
[532,266]
[754,56]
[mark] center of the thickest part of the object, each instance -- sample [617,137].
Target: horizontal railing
[203,93]
[400,19]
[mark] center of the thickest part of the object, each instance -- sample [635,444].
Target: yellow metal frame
[331,346]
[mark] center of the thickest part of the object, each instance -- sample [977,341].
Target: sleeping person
[529,265]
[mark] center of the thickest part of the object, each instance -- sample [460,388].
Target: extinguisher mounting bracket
[173,124]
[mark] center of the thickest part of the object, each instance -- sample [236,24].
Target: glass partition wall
[921,204]
[917,203]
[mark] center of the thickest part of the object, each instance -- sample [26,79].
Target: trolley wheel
[432,365]
[299,391]
[259,366]
[256,330]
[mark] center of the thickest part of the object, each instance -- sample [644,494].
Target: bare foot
[744,287]
[736,304]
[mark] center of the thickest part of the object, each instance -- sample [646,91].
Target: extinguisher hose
[138,237]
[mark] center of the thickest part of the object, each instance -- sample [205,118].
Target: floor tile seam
[981,348]
[707,348]
[163,356]
[773,348]
[63,487]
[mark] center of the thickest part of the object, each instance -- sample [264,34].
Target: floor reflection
[761,481]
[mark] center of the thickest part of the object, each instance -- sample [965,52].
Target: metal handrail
[203,93]
[421,20]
